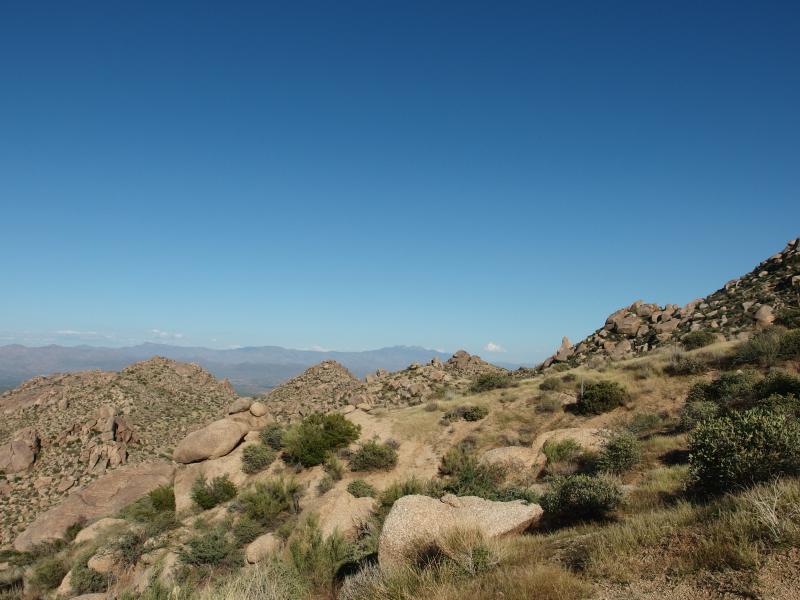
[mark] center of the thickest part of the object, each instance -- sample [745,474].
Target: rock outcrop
[20,452]
[742,305]
[212,441]
[104,497]
[421,519]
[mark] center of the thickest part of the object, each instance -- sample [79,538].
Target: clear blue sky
[360,174]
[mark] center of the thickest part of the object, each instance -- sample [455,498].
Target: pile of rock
[463,364]
[741,306]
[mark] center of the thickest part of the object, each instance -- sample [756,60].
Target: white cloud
[73,332]
[166,335]
[319,349]
[492,347]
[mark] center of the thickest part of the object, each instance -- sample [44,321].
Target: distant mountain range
[250,370]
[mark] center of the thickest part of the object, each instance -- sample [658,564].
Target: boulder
[101,498]
[415,519]
[212,441]
[102,562]
[262,547]
[91,532]
[20,453]
[258,409]
[343,513]
[240,405]
[764,316]
[565,351]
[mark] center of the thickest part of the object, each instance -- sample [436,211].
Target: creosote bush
[373,456]
[257,457]
[310,441]
[212,547]
[491,381]
[208,495]
[468,412]
[621,453]
[580,497]
[361,489]
[599,397]
[744,448]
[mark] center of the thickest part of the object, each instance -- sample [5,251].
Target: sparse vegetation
[599,397]
[468,412]
[697,339]
[491,381]
[272,436]
[361,489]
[271,502]
[47,573]
[257,457]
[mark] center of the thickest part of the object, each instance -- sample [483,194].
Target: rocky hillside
[61,432]
[329,386]
[752,301]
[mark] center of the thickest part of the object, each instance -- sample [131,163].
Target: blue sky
[353,175]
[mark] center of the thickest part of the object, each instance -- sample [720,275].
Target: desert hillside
[668,471]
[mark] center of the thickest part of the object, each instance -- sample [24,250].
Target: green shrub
[641,422]
[549,404]
[361,489]
[333,467]
[491,381]
[309,442]
[789,318]
[550,384]
[318,558]
[580,497]
[208,495]
[780,383]
[557,451]
[48,573]
[599,397]
[468,412]
[681,364]
[372,456]
[257,457]
[764,348]
[163,498]
[272,436]
[73,530]
[246,529]
[271,502]
[734,391]
[790,344]
[325,484]
[694,413]
[407,487]
[84,580]
[744,448]
[130,546]
[465,475]
[697,339]
[212,547]
[622,452]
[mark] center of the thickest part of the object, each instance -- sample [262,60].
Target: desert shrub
[599,397]
[432,406]
[491,381]
[208,495]
[130,546]
[734,390]
[549,404]
[272,436]
[318,558]
[73,530]
[743,448]
[694,413]
[84,580]
[790,344]
[271,502]
[48,572]
[622,452]
[246,529]
[778,382]
[325,484]
[789,318]
[212,547]
[557,451]
[681,364]
[468,412]
[646,421]
[333,467]
[406,487]
[162,498]
[267,580]
[256,458]
[763,348]
[361,489]
[309,442]
[372,455]
[580,497]
[550,384]
[697,339]
[465,475]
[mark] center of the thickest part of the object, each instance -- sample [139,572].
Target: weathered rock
[20,453]
[185,476]
[102,562]
[103,497]
[240,405]
[212,441]
[65,589]
[344,513]
[764,316]
[95,529]
[414,519]
[565,351]
[258,409]
[262,547]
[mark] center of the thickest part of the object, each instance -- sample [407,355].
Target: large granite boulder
[212,441]
[421,519]
[20,453]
